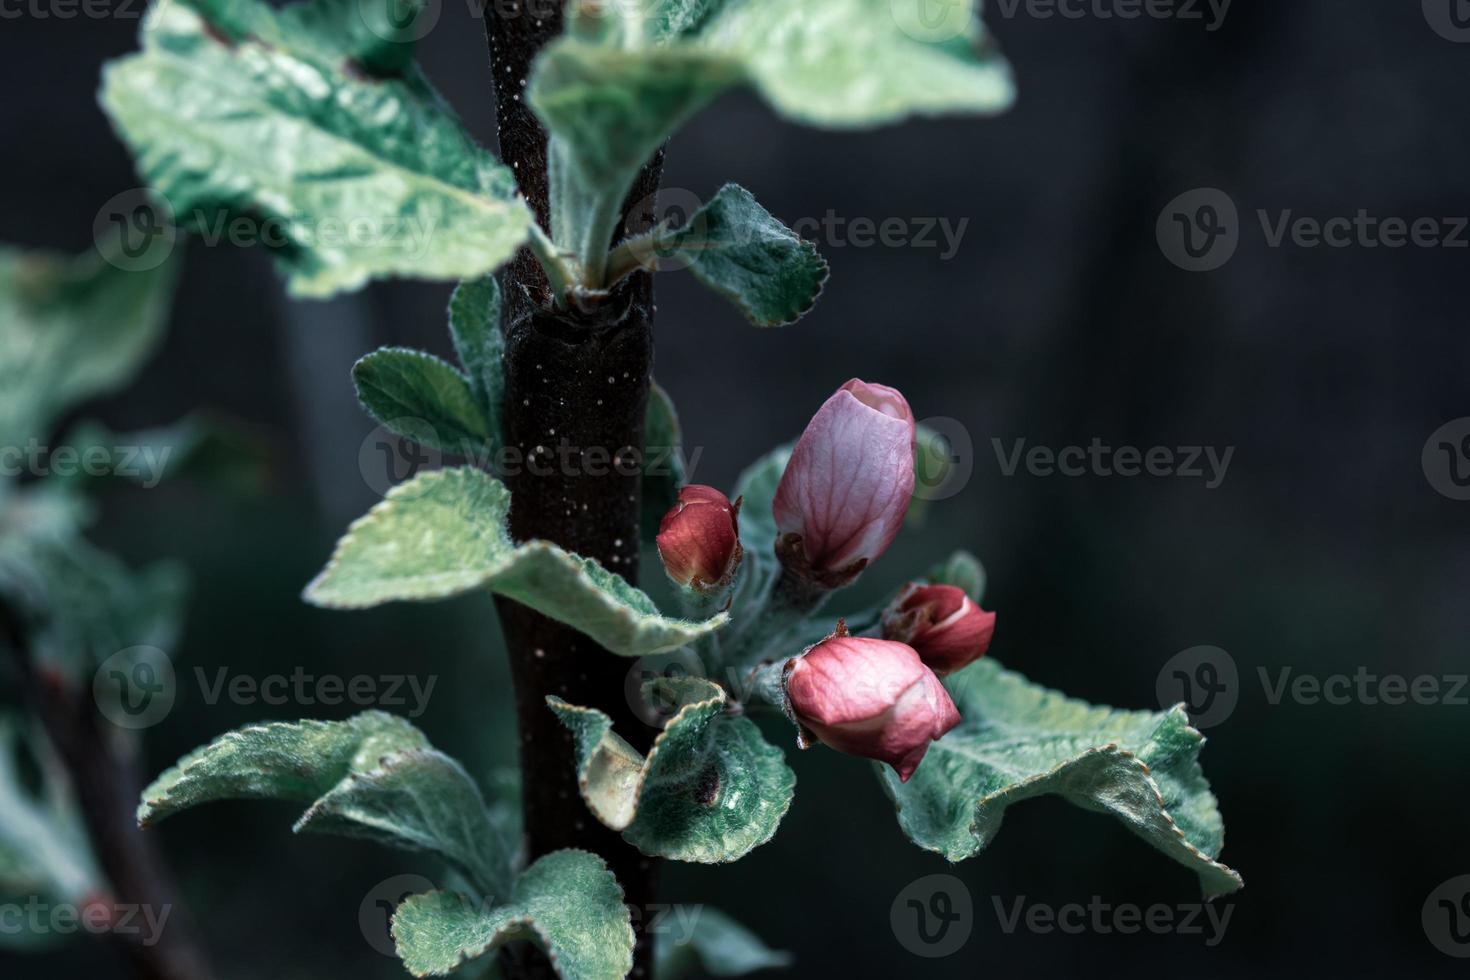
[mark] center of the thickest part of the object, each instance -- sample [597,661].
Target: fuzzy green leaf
[422,398]
[474,323]
[961,569]
[741,251]
[237,111]
[716,944]
[297,761]
[710,790]
[373,777]
[444,533]
[1020,740]
[568,903]
[73,329]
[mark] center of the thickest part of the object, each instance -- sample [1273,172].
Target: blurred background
[1055,317]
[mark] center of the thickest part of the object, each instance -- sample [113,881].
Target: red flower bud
[941,623]
[699,539]
[846,489]
[869,697]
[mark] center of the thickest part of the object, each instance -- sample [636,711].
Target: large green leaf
[1020,740]
[741,251]
[73,329]
[444,533]
[423,398]
[715,943]
[710,790]
[373,777]
[236,111]
[568,903]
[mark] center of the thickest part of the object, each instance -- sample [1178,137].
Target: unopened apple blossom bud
[845,491]
[943,625]
[869,697]
[699,539]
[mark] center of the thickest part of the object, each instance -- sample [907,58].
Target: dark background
[1059,320]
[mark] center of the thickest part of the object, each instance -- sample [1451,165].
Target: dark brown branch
[577,388]
[107,786]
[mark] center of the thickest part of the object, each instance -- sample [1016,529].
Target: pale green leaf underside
[356,177]
[1020,740]
[443,533]
[710,790]
[741,251]
[44,852]
[373,777]
[716,944]
[474,324]
[419,396]
[73,329]
[568,903]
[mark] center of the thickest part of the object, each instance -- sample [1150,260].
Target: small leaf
[663,447]
[430,401]
[757,519]
[236,111]
[568,903]
[474,323]
[443,533]
[418,800]
[73,329]
[961,569]
[741,251]
[716,944]
[710,790]
[282,761]
[1020,740]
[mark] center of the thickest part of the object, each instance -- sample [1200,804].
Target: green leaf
[861,63]
[196,445]
[738,248]
[710,790]
[663,445]
[474,323]
[757,520]
[281,761]
[961,569]
[444,533]
[568,903]
[418,396]
[236,111]
[418,800]
[73,329]
[373,777]
[716,944]
[1020,740]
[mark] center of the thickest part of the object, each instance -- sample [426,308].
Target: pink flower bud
[699,539]
[869,697]
[846,489]
[941,623]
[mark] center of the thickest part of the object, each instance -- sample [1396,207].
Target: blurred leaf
[197,445]
[663,445]
[72,329]
[1019,740]
[396,384]
[443,533]
[741,251]
[474,323]
[236,111]
[568,903]
[373,777]
[710,790]
[717,945]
